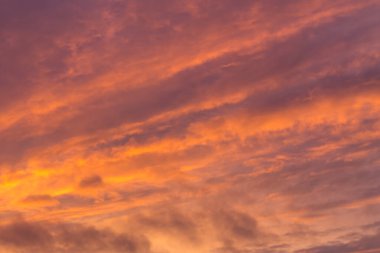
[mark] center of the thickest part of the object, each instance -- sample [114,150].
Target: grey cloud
[234,224]
[91,181]
[66,238]
[367,243]
[72,200]
[171,221]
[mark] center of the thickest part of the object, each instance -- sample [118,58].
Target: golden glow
[189,126]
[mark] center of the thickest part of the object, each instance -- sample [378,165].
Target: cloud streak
[189,126]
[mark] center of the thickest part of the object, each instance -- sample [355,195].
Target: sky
[189,126]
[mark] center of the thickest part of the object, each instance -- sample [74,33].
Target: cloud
[91,181]
[368,243]
[40,200]
[189,126]
[73,200]
[23,236]
[210,81]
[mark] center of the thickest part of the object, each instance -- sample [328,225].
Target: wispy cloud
[189,126]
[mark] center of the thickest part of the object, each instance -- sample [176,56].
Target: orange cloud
[189,126]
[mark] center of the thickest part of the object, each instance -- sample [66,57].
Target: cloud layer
[189,126]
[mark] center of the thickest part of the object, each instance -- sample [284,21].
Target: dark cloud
[91,181]
[22,234]
[367,243]
[234,224]
[171,221]
[73,200]
[31,54]
[61,238]
[37,198]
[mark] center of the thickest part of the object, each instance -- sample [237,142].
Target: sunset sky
[190,126]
